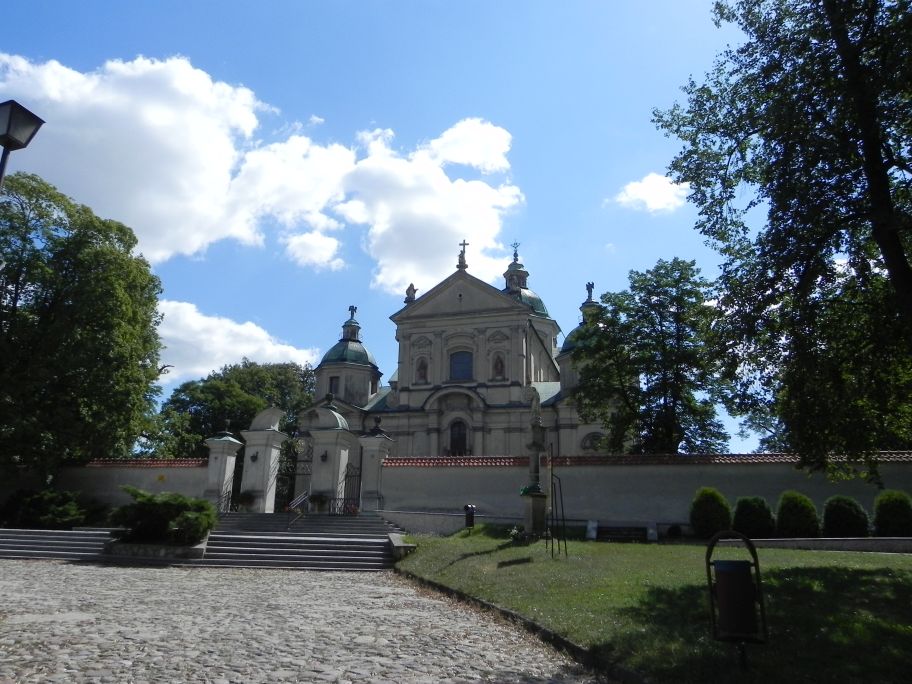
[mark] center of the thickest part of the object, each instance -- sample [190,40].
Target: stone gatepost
[333,448]
[220,472]
[261,459]
[375,447]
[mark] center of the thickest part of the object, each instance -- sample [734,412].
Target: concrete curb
[580,654]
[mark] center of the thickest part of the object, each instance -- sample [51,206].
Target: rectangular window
[461,365]
[334,385]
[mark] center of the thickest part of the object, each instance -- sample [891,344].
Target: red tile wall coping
[148,463]
[626,460]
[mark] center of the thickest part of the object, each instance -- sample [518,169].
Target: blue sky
[280,161]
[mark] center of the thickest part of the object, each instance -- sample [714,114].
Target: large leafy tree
[78,331]
[810,122]
[229,397]
[645,364]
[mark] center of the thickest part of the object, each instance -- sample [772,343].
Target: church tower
[569,377]
[348,371]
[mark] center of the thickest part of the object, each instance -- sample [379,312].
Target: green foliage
[893,514]
[199,409]
[809,121]
[709,513]
[646,366]
[165,518]
[48,509]
[843,516]
[78,338]
[754,518]
[796,516]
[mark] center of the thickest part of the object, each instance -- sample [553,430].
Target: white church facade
[476,364]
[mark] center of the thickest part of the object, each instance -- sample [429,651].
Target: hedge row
[796,516]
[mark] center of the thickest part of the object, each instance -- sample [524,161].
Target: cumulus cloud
[151,143]
[196,344]
[163,147]
[417,214]
[314,249]
[654,193]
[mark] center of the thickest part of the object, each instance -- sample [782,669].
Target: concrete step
[51,544]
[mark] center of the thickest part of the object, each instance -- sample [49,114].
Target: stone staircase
[53,544]
[240,540]
[313,542]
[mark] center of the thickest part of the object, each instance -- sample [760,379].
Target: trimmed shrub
[754,518]
[893,514]
[49,509]
[796,516]
[165,518]
[843,516]
[709,513]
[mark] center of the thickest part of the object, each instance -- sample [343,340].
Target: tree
[810,120]
[199,409]
[78,331]
[646,368]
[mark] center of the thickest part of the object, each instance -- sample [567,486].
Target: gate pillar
[220,471]
[375,447]
[261,459]
[334,447]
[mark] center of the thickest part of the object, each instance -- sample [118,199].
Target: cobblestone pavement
[83,623]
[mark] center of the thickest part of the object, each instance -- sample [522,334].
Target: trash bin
[736,600]
[469,515]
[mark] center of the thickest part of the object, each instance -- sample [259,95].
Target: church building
[476,365]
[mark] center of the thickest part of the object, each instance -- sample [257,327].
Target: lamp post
[17,128]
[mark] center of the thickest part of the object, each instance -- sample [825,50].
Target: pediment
[460,293]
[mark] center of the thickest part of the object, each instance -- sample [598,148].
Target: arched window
[458,446]
[461,365]
[421,371]
[498,369]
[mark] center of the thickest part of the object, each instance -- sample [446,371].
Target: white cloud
[314,249]
[196,344]
[417,214]
[163,147]
[151,143]
[315,120]
[473,142]
[654,193]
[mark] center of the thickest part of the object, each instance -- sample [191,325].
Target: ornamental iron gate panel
[348,494]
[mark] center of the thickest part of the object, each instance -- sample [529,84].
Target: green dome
[349,351]
[571,340]
[529,298]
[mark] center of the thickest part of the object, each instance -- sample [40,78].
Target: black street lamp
[17,128]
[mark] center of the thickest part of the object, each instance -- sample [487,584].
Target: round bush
[754,518]
[166,518]
[709,513]
[796,516]
[49,509]
[843,516]
[893,514]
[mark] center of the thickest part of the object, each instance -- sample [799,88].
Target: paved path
[82,623]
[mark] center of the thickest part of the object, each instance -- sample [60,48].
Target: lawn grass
[833,616]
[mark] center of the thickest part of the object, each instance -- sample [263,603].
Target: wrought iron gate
[348,494]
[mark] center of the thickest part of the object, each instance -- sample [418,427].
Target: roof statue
[590,286]
[410,293]
[462,265]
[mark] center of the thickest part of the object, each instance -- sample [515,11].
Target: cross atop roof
[462,265]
